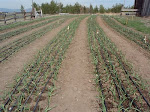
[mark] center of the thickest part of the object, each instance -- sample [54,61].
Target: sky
[15,4]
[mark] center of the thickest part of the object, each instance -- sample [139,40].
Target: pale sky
[15,4]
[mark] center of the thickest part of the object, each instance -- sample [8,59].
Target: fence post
[24,13]
[24,16]
[15,17]
[31,16]
[4,18]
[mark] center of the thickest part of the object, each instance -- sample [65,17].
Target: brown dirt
[133,53]
[7,41]
[76,90]
[14,65]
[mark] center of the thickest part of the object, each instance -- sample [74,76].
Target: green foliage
[68,9]
[60,6]
[116,8]
[91,9]
[35,5]
[84,9]
[96,9]
[77,8]
[22,8]
[101,9]
[135,23]
[53,7]
[45,8]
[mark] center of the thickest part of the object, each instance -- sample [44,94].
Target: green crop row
[15,46]
[17,24]
[133,22]
[25,29]
[134,36]
[114,74]
[37,78]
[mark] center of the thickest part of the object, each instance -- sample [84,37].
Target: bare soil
[75,85]
[7,41]
[14,65]
[137,56]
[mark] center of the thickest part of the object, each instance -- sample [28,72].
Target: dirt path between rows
[13,66]
[75,86]
[133,53]
[7,41]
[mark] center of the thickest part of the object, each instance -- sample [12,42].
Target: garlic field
[33,52]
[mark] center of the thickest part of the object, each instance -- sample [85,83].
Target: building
[143,6]
[132,12]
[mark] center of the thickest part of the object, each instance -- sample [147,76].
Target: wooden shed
[143,6]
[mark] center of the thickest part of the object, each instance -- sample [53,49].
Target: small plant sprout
[97,32]
[68,28]
[145,39]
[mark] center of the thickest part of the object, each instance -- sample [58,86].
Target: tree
[60,6]
[53,7]
[96,9]
[35,5]
[22,9]
[116,8]
[84,10]
[101,9]
[108,10]
[45,8]
[77,8]
[91,9]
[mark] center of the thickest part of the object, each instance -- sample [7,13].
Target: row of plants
[13,47]
[133,22]
[10,34]
[35,85]
[17,24]
[120,89]
[130,34]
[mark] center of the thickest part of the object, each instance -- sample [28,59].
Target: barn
[143,6]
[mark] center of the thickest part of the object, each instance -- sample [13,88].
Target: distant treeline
[54,8]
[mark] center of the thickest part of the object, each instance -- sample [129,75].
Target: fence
[13,17]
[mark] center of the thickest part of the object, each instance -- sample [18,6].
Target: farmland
[74,63]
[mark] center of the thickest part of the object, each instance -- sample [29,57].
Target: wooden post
[68,28]
[31,16]
[23,16]
[145,39]
[127,21]
[132,18]
[15,17]
[24,13]
[4,18]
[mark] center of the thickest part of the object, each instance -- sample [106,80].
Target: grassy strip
[134,36]
[133,23]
